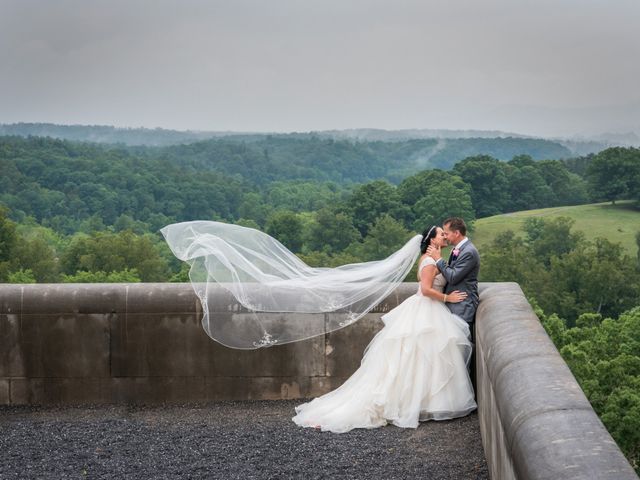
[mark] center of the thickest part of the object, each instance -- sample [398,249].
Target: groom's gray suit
[461,273]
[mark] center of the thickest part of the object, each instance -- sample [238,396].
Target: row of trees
[63,184]
[556,267]
[325,223]
[476,187]
[562,272]
[66,185]
[32,253]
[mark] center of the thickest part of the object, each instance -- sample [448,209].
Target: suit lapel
[460,249]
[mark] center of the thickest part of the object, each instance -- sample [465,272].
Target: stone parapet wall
[535,421]
[143,343]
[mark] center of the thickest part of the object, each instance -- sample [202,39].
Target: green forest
[75,211]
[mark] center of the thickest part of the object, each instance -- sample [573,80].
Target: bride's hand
[456,296]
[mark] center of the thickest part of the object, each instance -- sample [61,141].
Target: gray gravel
[243,440]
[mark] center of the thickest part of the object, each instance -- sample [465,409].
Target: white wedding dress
[414,369]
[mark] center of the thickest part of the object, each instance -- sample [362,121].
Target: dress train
[414,369]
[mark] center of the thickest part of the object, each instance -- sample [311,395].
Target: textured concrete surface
[234,440]
[536,422]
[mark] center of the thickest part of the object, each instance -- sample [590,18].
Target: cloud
[290,65]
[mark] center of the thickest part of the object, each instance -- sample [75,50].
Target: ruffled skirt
[414,369]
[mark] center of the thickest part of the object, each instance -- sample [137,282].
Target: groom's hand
[434,252]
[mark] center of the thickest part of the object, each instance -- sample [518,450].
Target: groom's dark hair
[457,224]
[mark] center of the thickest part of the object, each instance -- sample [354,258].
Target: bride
[414,369]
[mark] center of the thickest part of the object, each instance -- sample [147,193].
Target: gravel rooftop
[235,440]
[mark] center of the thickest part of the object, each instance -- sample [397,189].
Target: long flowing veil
[284,299]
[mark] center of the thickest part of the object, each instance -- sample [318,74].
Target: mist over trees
[163,137]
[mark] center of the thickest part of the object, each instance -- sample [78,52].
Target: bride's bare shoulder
[426,260]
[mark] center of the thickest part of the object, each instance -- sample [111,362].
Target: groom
[461,273]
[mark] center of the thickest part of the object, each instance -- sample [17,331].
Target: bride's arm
[427,274]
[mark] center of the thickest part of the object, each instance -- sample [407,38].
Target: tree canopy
[614,174]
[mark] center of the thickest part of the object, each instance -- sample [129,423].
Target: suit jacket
[462,274]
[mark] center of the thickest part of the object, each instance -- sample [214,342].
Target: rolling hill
[618,223]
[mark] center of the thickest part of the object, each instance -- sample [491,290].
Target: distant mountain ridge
[376,134]
[160,137]
[153,137]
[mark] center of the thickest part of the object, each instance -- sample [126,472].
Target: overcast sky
[544,67]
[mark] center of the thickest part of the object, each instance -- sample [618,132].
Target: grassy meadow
[618,223]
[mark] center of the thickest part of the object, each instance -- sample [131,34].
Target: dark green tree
[489,184]
[8,242]
[551,238]
[568,188]
[509,259]
[372,200]
[440,202]
[386,236]
[520,161]
[330,232]
[614,174]
[37,256]
[527,188]
[593,277]
[253,208]
[116,252]
[413,188]
[301,196]
[126,222]
[286,227]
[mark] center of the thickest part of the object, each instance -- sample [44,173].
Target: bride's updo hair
[427,236]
